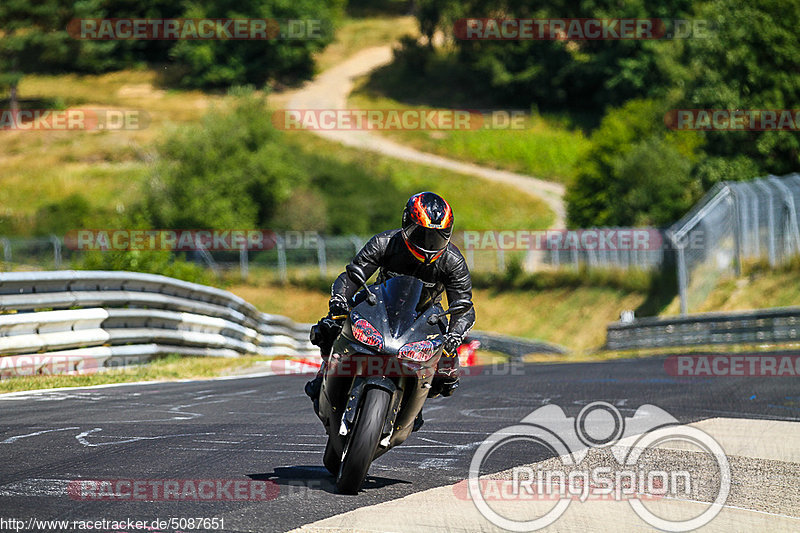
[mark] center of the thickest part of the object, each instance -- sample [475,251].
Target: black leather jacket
[388,252]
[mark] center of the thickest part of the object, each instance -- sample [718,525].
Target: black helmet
[427,226]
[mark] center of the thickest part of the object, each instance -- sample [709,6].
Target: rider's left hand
[451,343]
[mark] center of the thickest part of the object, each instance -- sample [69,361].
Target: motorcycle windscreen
[401,296]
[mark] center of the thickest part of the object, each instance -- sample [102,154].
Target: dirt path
[330,90]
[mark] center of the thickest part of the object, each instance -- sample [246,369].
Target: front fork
[360,385]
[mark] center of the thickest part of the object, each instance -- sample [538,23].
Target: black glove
[324,333]
[449,385]
[451,343]
[443,385]
[338,306]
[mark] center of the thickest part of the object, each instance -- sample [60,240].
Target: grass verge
[759,287]
[169,368]
[540,146]
[505,208]
[38,168]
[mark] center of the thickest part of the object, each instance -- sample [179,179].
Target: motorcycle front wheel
[331,459]
[363,441]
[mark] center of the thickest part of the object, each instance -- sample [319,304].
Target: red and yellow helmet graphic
[427,226]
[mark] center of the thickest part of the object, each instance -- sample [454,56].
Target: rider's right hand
[338,306]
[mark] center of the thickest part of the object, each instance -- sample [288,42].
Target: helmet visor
[427,240]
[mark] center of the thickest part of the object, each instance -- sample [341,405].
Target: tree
[635,172]
[237,171]
[751,61]
[231,172]
[35,38]
[223,63]
[655,184]
[30,35]
[574,74]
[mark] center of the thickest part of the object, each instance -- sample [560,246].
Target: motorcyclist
[420,248]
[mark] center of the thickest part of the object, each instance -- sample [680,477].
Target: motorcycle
[379,373]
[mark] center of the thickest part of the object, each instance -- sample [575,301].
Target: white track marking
[82,438]
[11,440]
[455,455]
[36,394]
[36,487]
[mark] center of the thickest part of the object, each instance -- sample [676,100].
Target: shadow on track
[311,477]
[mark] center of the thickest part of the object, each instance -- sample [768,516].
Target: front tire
[331,459]
[361,446]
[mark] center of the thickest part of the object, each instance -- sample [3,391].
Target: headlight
[366,334]
[418,351]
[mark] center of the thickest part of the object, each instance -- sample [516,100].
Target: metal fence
[646,256]
[326,256]
[323,256]
[735,222]
[774,326]
[44,252]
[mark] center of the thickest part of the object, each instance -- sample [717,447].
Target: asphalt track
[263,429]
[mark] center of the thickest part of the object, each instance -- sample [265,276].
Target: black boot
[418,422]
[313,389]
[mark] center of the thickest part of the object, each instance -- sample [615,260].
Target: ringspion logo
[599,427]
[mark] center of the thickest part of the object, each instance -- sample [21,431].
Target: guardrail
[111,317]
[514,347]
[777,325]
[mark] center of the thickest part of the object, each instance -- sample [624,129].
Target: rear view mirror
[359,277]
[457,307]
